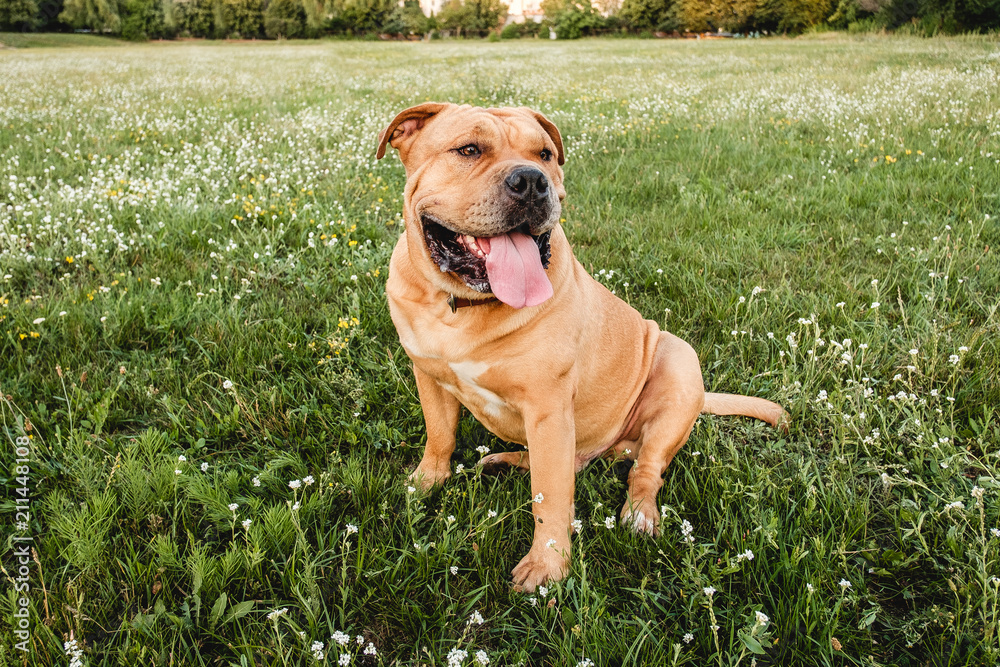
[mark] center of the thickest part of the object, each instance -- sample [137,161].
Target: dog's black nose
[528,185]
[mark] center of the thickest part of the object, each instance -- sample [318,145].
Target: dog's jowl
[497,315]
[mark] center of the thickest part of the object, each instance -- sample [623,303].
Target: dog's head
[483,194]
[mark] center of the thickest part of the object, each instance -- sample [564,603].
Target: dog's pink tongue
[515,270]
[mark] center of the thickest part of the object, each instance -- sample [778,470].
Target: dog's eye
[546,154]
[471,150]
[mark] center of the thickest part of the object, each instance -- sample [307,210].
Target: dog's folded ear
[553,131]
[405,124]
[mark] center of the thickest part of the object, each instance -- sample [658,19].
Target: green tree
[98,15]
[646,14]
[195,17]
[245,17]
[284,19]
[142,19]
[18,14]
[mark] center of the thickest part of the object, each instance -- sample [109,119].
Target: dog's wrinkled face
[484,188]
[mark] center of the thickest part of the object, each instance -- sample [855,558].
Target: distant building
[524,10]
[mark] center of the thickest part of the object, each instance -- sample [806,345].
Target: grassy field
[195,344]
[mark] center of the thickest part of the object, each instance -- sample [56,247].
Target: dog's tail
[748,406]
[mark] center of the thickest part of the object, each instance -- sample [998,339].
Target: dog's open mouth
[511,265]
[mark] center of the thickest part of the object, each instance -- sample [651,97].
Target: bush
[284,19]
[510,31]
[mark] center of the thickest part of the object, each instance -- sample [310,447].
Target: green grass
[831,173]
[33,40]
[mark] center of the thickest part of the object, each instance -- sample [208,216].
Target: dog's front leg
[552,449]
[441,411]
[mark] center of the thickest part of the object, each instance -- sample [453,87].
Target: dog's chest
[479,385]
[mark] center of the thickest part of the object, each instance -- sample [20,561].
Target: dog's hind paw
[495,463]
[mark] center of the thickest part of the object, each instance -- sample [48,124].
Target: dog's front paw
[540,565]
[428,476]
[641,517]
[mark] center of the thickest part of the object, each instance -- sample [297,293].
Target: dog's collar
[455,303]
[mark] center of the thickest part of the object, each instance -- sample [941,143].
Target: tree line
[569,19]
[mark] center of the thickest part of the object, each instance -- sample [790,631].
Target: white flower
[577,526]
[351,529]
[233,507]
[539,498]
[709,591]
[296,506]
[845,584]
[182,458]
[246,524]
[875,304]
[688,638]
[456,657]
[308,480]
[476,618]
[295,483]
[761,617]
[411,489]
[370,649]
[482,658]
[995,532]
[810,589]
[453,569]
[344,659]
[177,472]
[256,481]
[977,492]
[585,662]
[543,591]
[360,639]
[914,351]
[38,320]
[459,468]
[550,544]
[317,650]
[483,450]
[609,522]
[953,360]
[686,530]
[957,505]
[204,466]
[340,637]
[491,514]
[277,613]
[228,384]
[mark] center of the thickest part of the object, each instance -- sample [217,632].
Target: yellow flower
[69,260]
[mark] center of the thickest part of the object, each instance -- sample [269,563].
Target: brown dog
[497,315]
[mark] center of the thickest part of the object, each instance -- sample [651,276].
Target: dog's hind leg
[673,398]
[494,463]
[441,411]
